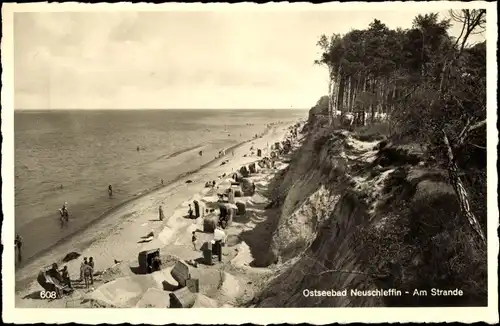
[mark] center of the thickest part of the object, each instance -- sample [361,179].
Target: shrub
[424,244]
[373,132]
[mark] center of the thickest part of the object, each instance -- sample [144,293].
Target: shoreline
[22,283]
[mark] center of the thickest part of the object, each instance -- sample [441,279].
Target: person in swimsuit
[65,276]
[190,211]
[88,272]
[64,214]
[193,240]
[82,268]
[91,264]
[160,213]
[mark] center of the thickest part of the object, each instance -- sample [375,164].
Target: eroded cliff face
[305,203]
[318,218]
[354,217]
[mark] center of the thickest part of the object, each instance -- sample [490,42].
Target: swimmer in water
[64,214]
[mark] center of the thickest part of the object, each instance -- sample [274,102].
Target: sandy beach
[117,237]
[74,166]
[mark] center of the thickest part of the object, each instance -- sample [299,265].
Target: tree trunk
[373,99]
[353,94]
[462,195]
[346,93]
[341,95]
[363,100]
[359,90]
[383,96]
[331,113]
[337,95]
[442,82]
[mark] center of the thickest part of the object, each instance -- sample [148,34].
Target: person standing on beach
[88,272]
[65,277]
[54,273]
[91,264]
[82,268]
[160,213]
[193,239]
[18,244]
[110,191]
[190,211]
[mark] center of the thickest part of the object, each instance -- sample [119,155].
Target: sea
[73,155]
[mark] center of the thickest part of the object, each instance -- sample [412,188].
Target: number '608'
[48,294]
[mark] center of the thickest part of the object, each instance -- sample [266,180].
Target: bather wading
[64,218]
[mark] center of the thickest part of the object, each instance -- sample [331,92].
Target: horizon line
[129,109]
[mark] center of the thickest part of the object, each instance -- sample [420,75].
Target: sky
[183,59]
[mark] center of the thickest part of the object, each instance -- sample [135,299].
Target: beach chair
[210,223]
[181,273]
[182,298]
[196,209]
[146,258]
[252,168]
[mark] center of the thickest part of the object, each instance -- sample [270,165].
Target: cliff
[368,214]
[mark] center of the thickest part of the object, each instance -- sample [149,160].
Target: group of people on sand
[62,276]
[86,273]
